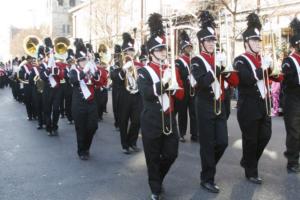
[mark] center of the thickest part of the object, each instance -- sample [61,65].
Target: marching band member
[160,149]
[68,93]
[51,93]
[101,92]
[117,83]
[143,58]
[253,118]
[24,74]
[2,77]
[211,114]
[131,107]
[187,105]
[84,78]
[291,87]
[38,86]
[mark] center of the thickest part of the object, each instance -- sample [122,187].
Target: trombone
[173,84]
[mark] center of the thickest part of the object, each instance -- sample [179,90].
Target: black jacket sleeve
[204,78]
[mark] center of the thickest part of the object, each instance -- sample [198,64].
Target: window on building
[68,29]
[64,28]
[72,3]
[60,2]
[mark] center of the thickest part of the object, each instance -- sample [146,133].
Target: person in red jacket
[210,107]
[158,123]
[101,90]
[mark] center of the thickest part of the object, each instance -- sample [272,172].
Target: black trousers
[86,123]
[63,88]
[28,100]
[255,137]
[38,105]
[51,102]
[130,109]
[183,108]
[292,126]
[160,153]
[213,139]
[115,103]
[101,99]
[68,102]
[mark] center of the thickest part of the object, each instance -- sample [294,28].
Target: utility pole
[142,21]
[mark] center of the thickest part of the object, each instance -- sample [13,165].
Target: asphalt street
[34,166]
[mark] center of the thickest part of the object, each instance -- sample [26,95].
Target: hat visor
[159,47]
[257,38]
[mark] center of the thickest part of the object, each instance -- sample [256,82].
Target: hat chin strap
[205,48]
[160,61]
[251,48]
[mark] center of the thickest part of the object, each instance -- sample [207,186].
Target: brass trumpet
[131,74]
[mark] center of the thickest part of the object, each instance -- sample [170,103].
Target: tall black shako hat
[41,52]
[81,51]
[253,29]
[208,26]
[48,45]
[117,49]
[157,34]
[128,42]
[295,26]
[144,53]
[185,40]
[71,55]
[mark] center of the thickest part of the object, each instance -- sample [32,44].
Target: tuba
[61,45]
[30,44]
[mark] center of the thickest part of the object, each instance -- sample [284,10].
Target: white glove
[220,59]
[127,65]
[86,68]
[167,76]
[266,62]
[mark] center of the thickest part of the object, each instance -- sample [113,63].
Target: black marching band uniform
[23,76]
[84,109]
[254,121]
[117,83]
[291,87]
[160,149]
[51,75]
[187,105]
[213,136]
[38,87]
[68,92]
[130,102]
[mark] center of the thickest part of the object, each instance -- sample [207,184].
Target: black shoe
[126,151]
[135,148]
[155,197]
[62,116]
[39,127]
[181,139]
[55,133]
[210,187]
[83,157]
[293,169]
[70,122]
[242,164]
[255,180]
